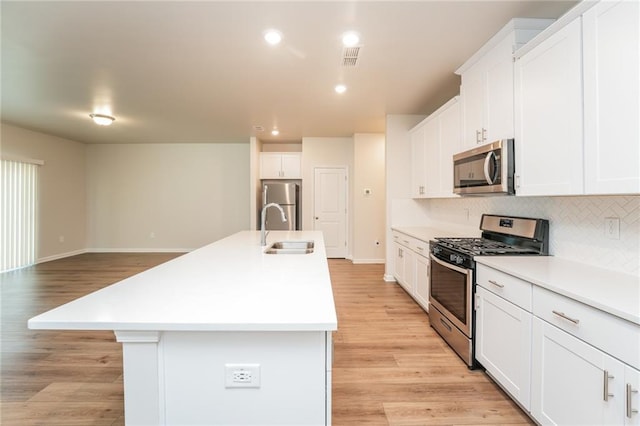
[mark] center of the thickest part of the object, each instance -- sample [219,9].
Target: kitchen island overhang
[184,322]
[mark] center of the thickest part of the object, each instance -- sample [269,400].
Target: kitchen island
[225,334]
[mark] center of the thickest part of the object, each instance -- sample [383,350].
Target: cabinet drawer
[613,335]
[507,286]
[402,239]
[420,247]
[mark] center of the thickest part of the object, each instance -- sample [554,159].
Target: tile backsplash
[577,230]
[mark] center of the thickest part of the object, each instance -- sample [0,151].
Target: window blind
[18,210]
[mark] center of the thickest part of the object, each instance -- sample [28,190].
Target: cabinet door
[611,89]
[398,272]
[549,116]
[631,396]
[450,143]
[417,162]
[432,157]
[291,166]
[498,104]
[503,343]
[270,165]
[409,270]
[568,381]
[472,98]
[422,281]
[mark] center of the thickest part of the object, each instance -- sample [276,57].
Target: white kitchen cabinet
[632,396]
[433,143]
[412,267]
[582,361]
[422,281]
[611,103]
[280,165]
[577,104]
[486,90]
[503,331]
[549,116]
[570,379]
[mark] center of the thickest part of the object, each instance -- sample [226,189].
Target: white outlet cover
[612,227]
[242,375]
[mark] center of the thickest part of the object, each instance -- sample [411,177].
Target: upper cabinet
[433,143]
[487,90]
[280,165]
[577,104]
[611,102]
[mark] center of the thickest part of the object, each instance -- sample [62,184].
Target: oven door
[451,291]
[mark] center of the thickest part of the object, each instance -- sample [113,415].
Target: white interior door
[330,209]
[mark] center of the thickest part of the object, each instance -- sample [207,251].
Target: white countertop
[426,233]
[609,291]
[227,285]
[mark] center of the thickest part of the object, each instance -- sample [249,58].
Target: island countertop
[229,285]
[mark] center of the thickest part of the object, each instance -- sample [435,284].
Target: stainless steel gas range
[452,282]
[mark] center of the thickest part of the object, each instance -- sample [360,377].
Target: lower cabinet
[565,362]
[421,293]
[412,267]
[575,383]
[503,343]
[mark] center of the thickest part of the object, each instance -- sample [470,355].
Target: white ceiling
[201,71]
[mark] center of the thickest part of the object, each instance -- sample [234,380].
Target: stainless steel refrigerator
[286,194]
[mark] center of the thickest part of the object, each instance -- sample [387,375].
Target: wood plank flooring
[390,367]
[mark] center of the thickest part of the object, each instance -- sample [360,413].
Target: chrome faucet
[263,217]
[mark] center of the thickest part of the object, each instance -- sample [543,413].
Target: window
[18,209]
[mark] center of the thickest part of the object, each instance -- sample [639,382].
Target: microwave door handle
[487,160]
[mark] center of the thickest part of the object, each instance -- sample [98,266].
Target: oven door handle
[450,266]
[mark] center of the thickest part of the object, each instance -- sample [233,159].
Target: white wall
[325,152]
[369,210]
[187,195]
[62,195]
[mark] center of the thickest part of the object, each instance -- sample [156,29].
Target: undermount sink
[290,247]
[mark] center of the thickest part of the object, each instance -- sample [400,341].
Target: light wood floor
[390,367]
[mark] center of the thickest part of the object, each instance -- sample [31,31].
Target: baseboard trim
[60,256]
[389,278]
[368,261]
[139,250]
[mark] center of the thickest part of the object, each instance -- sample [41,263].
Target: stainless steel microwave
[487,169]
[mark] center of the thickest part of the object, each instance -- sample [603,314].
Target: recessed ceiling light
[350,39]
[340,88]
[273,37]
[275,132]
[102,119]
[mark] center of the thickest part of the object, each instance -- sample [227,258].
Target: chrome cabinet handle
[605,387]
[630,411]
[562,315]
[497,284]
[420,248]
[484,134]
[405,241]
[400,253]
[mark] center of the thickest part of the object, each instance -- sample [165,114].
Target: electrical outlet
[612,228]
[242,375]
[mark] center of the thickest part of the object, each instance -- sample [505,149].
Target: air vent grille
[350,56]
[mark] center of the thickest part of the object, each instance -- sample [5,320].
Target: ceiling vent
[350,56]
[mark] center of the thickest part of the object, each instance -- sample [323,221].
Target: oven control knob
[437,250]
[456,258]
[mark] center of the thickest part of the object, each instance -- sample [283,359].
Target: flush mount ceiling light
[350,39]
[275,132]
[102,119]
[340,88]
[273,37]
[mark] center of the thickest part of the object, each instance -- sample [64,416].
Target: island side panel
[141,366]
[294,379]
